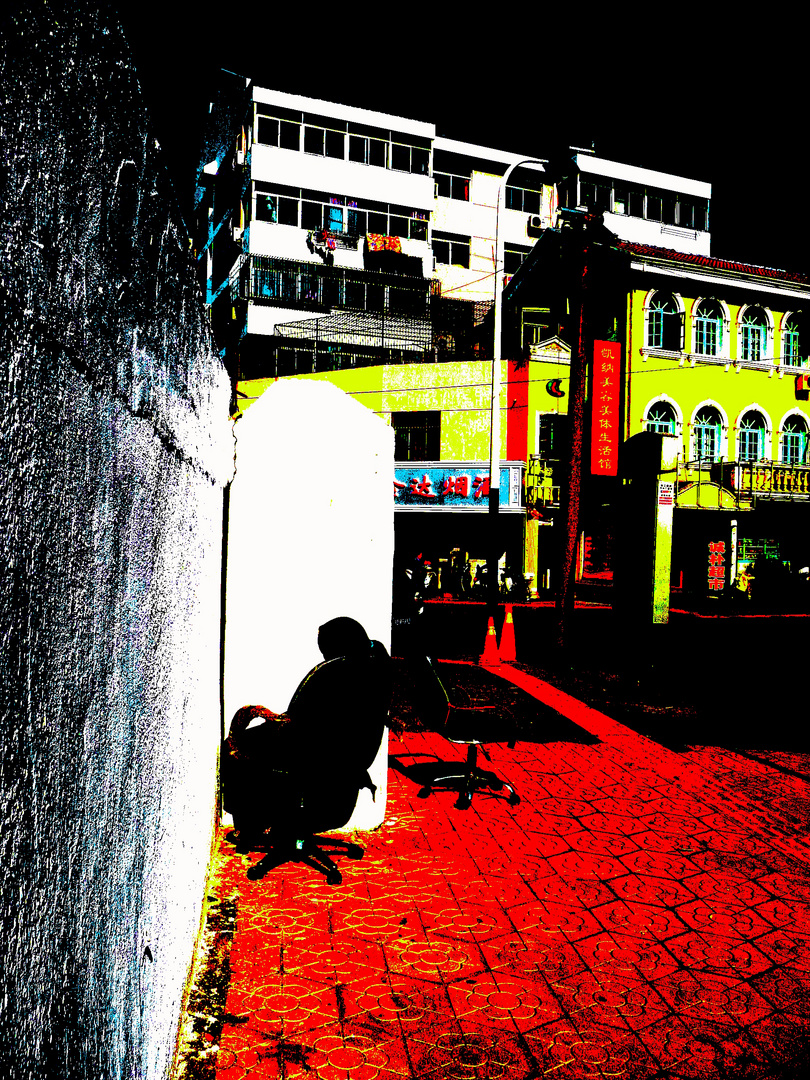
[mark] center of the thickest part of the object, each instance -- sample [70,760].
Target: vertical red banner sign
[605,412]
[717,566]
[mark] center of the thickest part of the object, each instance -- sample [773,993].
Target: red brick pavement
[639,914]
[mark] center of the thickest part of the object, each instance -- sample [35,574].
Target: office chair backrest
[340,710]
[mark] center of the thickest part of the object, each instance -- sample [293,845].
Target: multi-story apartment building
[357,246]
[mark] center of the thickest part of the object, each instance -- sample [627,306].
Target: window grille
[708,321]
[751,439]
[707,429]
[661,418]
[753,331]
[794,442]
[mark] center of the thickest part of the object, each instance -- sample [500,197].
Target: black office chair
[310,778]
[463,724]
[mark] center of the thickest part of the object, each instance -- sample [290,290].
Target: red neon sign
[605,412]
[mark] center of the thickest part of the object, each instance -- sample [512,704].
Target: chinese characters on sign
[605,413]
[717,566]
[455,488]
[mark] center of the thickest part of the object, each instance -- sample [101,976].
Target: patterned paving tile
[434,959]
[646,889]
[471,1051]
[530,954]
[621,921]
[713,998]
[718,954]
[576,1050]
[640,920]
[504,999]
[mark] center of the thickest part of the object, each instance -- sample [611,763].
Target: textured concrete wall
[310,538]
[114,449]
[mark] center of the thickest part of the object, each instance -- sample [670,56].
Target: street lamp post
[495,411]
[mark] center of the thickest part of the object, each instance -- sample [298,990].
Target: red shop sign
[605,412]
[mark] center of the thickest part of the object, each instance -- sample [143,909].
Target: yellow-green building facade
[442,415]
[714,358]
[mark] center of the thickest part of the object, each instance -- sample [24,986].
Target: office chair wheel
[334,877]
[424,793]
[463,802]
[355,852]
[514,799]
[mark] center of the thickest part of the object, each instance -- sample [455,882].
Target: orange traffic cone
[490,653]
[507,648]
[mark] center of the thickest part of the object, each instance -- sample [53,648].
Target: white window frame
[754,338]
[791,330]
[663,400]
[721,323]
[795,415]
[721,451]
[764,439]
[650,318]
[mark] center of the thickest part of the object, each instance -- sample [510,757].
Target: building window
[513,258]
[450,186]
[664,323]
[791,341]
[368,151]
[793,450]
[412,159]
[552,436]
[451,250]
[273,131]
[277,209]
[661,418]
[417,435]
[325,142]
[635,202]
[536,326]
[655,205]
[753,335]
[708,427]
[751,437]
[353,217]
[523,199]
[708,320]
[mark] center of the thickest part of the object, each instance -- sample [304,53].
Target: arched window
[753,334]
[793,450]
[708,320]
[663,323]
[661,418]
[751,436]
[708,428]
[792,352]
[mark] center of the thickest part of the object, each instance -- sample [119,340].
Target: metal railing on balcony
[747,481]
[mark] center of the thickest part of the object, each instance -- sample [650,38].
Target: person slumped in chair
[301,770]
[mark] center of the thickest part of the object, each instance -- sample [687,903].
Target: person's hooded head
[343,637]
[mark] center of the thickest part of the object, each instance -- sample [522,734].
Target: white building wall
[296,168]
[640,231]
[290,506]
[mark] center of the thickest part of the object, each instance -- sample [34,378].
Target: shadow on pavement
[518,714]
[708,681]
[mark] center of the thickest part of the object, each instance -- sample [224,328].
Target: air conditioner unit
[534,226]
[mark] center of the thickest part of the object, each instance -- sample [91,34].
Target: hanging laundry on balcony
[378,242]
[321,244]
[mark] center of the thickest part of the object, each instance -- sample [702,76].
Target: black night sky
[717,98]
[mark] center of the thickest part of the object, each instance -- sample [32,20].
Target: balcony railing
[748,480]
[771,480]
